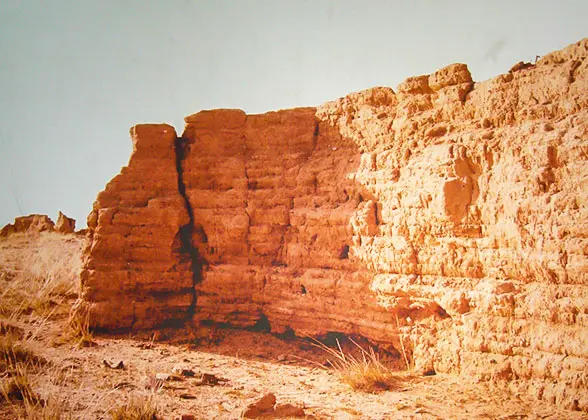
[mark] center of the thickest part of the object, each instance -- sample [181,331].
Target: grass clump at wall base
[79,325]
[136,409]
[364,372]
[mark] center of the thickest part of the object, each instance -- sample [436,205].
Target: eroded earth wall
[449,214]
[135,274]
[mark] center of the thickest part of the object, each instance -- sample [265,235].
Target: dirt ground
[210,376]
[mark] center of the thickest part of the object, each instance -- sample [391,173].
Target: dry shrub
[136,408]
[364,372]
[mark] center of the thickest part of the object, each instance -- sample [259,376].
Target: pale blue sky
[76,74]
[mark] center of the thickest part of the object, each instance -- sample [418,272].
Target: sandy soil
[86,382]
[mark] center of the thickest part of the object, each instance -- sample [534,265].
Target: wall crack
[187,248]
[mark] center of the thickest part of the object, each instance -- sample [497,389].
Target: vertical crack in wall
[315,135]
[187,248]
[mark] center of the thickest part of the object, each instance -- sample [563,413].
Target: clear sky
[76,74]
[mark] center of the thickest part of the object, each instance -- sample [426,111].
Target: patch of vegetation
[79,325]
[16,355]
[46,276]
[18,388]
[364,372]
[25,403]
[136,409]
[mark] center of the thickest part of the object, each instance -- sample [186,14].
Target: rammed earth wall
[451,213]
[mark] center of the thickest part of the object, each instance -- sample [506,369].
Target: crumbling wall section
[137,272]
[484,190]
[449,214]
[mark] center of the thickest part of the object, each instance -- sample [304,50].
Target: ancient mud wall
[450,214]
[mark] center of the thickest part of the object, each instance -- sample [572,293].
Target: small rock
[519,66]
[188,373]
[188,417]
[263,406]
[162,376]
[288,410]
[119,365]
[281,357]
[266,407]
[210,379]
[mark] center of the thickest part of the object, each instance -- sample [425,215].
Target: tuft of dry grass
[17,360]
[364,372]
[136,408]
[16,355]
[79,324]
[25,403]
[18,388]
[152,383]
[49,409]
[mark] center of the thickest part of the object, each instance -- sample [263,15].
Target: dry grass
[79,325]
[49,409]
[136,408]
[43,274]
[18,388]
[17,361]
[25,403]
[364,372]
[38,280]
[16,355]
